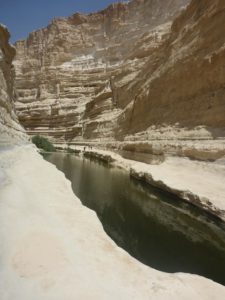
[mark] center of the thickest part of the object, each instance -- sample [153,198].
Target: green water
[156,228]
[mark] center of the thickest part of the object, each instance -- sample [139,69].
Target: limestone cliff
[126,74]
[71,75]
[44,250]
[184,82]
[10,130]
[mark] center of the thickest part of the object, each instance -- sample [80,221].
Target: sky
[24,16]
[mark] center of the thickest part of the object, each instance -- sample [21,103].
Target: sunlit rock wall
[10,130]
[182,83]
[77,77]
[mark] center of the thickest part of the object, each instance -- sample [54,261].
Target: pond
[156,228]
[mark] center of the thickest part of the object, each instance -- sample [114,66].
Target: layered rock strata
[51,247]
[125,74]
[10,130]
[180,95]
[199,183]
[79,77]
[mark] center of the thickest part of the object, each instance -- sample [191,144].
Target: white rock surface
[53,248]
[201,183]
[203,179]
[75,77]
[10,130]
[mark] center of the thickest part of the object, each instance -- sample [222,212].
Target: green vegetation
[72,151]
[43,143]
[69,150]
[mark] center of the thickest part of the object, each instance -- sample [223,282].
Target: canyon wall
[142,71]
[75,77]
[10,130]
[184,82]
[43,227]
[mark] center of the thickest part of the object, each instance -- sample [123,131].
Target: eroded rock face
[184,83]
[75,78]
[10,130]
[125,74]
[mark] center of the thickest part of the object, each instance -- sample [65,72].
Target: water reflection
[143,157]
[153,227]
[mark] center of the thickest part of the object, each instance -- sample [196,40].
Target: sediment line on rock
[146,174]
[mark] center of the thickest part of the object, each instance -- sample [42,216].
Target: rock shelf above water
[52,247]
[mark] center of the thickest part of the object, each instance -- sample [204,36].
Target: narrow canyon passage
[156,228]
[112,150]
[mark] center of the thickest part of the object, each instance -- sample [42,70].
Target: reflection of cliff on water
[154,227]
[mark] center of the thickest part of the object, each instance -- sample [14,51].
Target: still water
[154,227]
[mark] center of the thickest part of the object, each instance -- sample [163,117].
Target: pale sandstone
[10,130]
[200,183]
[124,74]
[54,248]
[76,77]
[51,247]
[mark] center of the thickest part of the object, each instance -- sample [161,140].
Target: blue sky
[25,16]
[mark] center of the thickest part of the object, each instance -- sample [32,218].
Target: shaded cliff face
[77,78]
[182,83]
[10,130]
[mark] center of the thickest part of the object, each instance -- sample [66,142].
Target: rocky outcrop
[126,76]
[197,182]
[46,234]
[10,130]
[52,247]
[183,86]
[75,77]
[184,83]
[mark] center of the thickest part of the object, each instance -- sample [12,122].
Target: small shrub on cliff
[43,143]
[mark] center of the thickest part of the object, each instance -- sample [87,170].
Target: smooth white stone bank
[198,182]
[53,248]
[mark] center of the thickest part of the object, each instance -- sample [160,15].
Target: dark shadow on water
[156,228]
[142,157]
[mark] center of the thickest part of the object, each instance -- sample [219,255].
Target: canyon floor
[54,249]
